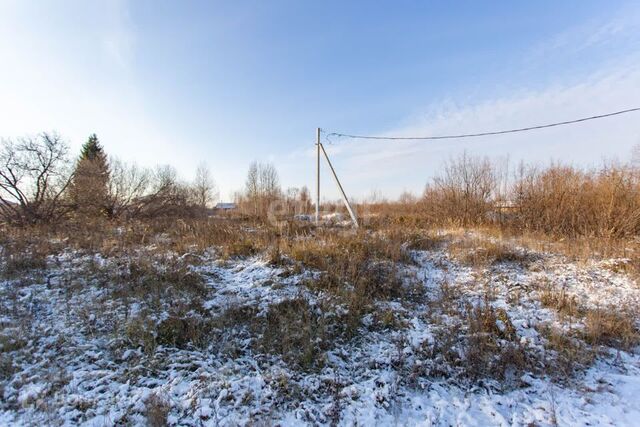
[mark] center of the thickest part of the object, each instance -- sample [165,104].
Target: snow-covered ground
[65,360]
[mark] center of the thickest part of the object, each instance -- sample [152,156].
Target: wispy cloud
[118,36]
[609,84]
[392,166]
[619,30]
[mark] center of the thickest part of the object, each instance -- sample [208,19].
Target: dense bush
[558,200]
[567,201]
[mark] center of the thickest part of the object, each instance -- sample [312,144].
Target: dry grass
[559,300]
[611,328]
[7,368]
[140,333]
[492,346]
[297,332]
[180,332]
[568,354]
[482,252]
[614,327]
[156,410]
[23,251]
[357,271]
[359,268]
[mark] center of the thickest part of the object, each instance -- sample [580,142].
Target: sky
[227,83]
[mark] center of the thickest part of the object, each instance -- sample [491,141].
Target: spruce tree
[90,189]
[92,149]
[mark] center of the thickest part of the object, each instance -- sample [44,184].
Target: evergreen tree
[90,189]
[92,150]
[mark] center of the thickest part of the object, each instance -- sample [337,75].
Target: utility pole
[318,176]
[344,196]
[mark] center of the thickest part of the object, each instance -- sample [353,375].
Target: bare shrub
[34,174]
[558,200]
[462,194]
[168,196]
[563,200]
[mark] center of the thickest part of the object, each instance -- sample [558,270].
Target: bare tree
[305,200]
[128,184]
[168,195]
[252,187]
[204,191]
[262,187]
[407,198]
[269,181]
[159,193]
[34,174]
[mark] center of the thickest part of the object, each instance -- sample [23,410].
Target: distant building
[225,206]
[502,210]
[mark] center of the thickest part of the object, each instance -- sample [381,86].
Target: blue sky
[231,82]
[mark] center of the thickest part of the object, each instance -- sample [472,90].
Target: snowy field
[80,346]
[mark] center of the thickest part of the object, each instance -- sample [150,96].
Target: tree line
[40,182]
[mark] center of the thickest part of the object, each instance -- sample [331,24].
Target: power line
[473,135]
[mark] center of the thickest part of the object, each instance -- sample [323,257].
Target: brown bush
[566,201]
[463,194]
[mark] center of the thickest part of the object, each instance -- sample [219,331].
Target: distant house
[502,210]
[225,206]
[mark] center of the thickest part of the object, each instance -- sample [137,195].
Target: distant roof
[225,206]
